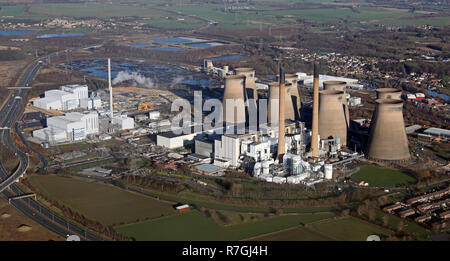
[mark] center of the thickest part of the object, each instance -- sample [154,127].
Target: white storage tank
[265,167]
[328,171]
[296,167]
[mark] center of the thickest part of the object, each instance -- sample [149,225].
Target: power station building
[73,126]
[65,99]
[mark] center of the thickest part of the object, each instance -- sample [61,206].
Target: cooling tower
[332,115]
[386,93]
[295,95]
[387,137]
[339,86]
[389,93]
[250,84]
[274,94]
[315,118]
[234,92]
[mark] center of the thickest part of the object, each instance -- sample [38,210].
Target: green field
[209,202]
[294,234]
[348,229]
[409,227]
[99,202]
[263,14]
[383,177]
[194,226]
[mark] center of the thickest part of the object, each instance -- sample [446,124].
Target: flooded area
[16,32]
[228,57]
[144,74]
[59,35]
[138,44]
[174,40]
[170,49]
[441,95]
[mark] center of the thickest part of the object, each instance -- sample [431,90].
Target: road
[33,209]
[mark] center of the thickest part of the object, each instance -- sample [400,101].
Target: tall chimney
[111,113]
[282,96]
[315,119]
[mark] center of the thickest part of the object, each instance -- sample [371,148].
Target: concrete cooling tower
[234,92]
[273,107]
[386,93]
[387,137]
[389,93]
[250,84]
[339,86]
[292,82]
[332,115]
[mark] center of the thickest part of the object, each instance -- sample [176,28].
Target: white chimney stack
[110,90]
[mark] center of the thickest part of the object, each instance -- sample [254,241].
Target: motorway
[33,209]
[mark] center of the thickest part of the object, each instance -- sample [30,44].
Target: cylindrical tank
[339,86]
[257,169]
[234,92]
[389,93]
[273,104]
[265,167]
[296,167]
[387,137]
[250,84]
[332,115]
[328,171]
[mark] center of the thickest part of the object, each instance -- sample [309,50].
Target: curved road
[39,213]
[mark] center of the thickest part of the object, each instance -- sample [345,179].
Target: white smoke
[177,80]
[136,77]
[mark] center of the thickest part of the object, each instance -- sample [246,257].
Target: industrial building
[73,126]
[69,97]
[124,122]
[437,132]
[307,80]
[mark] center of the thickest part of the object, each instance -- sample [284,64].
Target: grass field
[348,229]
[294,234]
[264,14]
[409,227]
[210,203]
[383,177]
[103,203]
[194,226]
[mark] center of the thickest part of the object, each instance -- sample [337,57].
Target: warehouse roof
[437,132]
[413,128]
[208,168]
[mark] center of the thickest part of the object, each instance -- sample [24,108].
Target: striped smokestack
[282,98]
[315,119]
